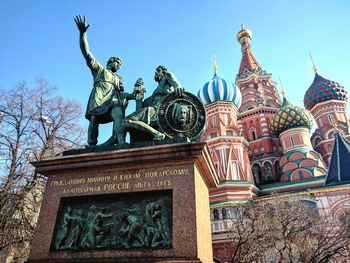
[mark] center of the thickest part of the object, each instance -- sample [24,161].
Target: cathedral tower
[228,147]
[292,125]
[260,100]
[326,100]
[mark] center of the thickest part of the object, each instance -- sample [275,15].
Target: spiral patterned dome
[323,90]
[218,89]
[290,116]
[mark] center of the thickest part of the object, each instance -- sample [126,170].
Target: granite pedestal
[183,172]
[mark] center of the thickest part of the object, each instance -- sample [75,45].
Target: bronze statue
[169,112]
[105,102]
[145,119]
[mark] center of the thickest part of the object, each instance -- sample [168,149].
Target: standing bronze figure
[105,104]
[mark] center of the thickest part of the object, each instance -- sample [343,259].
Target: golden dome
[244,32]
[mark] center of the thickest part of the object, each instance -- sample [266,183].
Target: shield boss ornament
[181,116]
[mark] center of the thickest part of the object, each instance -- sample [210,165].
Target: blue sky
[40,39]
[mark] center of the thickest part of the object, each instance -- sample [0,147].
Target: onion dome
[323,89]
[218,89]
[244,32]
[290,116]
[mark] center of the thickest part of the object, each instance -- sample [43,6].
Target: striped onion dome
[322,90]
[290,116]
[218,89]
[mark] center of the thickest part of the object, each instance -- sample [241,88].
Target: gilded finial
[314,68]
[282,90]
[335,127]
[216,67]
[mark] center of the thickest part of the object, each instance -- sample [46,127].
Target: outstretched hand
[81,23]
[179,91]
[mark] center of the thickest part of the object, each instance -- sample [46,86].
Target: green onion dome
[290,116]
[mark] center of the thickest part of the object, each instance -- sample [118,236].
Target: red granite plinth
[185,169]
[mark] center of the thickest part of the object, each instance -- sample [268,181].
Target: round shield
[182,116]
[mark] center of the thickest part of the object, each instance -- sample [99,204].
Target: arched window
[216,214]
[253,135]
[268,170]
[233,212]
[257,173]
[224,213]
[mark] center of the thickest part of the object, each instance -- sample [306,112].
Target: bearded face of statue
[158,75]
[181,114]
[182,119]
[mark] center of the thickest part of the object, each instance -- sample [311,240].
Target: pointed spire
[284,101]
[314,68]
[215,66]
[339,170]
[282,90]
[249,64]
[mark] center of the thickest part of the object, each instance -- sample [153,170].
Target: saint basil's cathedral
[262,145]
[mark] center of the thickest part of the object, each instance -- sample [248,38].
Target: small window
[233,212]
[213,135]
[224,213]
[229,133]
[216,214]
[214,121]
[253,135]
[330,119]
[292,141]
[257,173]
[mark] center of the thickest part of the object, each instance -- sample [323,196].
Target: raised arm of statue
[84,46]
